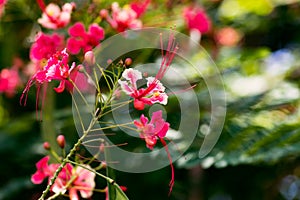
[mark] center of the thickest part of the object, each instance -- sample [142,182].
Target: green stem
[67,158]
[49,134]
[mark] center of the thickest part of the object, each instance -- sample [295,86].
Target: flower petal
[132,76]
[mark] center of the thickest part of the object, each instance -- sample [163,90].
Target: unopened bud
[46,145]
[109,61]
[103,13]
[80,68]
[61,141]
[103,165]
[89,58]
[102,148]
[128,61]
[139,105]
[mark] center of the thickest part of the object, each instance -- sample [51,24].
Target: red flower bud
[139,105]
[102,148]
[128,61]
[89,58]
[103,13]
[46,145]
[61,141]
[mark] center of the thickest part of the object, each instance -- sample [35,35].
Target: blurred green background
[256,46]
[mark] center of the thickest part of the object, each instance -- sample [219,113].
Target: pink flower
[2,5]
[151,131]
[157,128]
[42,171]
[124,18]
[44,47]
[139,7]
[80,39]
[74,180]
[53,17]
[197,19]
[155,91]
[57,68]
[84,183]
[9,81]
[63,178]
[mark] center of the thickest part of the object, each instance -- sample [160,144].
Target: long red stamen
[168,57]
[171,184]
[41,4]
[165,63]
[183,90]
[148,89]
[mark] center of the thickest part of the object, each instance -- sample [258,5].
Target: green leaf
[118,193]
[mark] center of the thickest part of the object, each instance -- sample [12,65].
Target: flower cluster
[63,39]
[57,68]
[126,17]
[154,92]
[44,47]
[80,39]
[53,17]
[72,179]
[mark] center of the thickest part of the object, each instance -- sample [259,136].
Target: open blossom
[9,81]
[53,17]
[44,47]
[72,179]
[155,130]
[155,91]
[152,131]
[80,39]
[124,18]
[57,68]
[196,19]
[139,7]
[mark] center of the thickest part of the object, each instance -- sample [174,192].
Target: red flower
[9,81]
[44,47]
[155,91]
[74,179]
[197,19]
[57,68]
[139,7]
[42,171]
[80,39]
[124,18]
[156,129]
[53,17]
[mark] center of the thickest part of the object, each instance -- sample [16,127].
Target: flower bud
[128,61]
[46,145]
[61,141]
[103,164]
[139,105]
[89,58]
[103,13]
[80,68]
[102,148]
